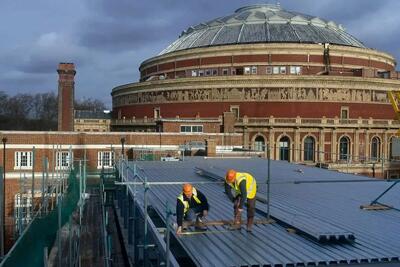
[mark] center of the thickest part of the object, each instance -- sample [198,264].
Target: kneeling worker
[191,203]
[245,187]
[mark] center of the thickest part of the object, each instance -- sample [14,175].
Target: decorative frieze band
[252,94]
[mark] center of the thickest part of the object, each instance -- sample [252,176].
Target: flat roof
[323,201]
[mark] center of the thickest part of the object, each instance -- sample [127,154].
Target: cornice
[247,81]
[273,48]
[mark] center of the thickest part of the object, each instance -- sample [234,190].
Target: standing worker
[191,203]
[245,187]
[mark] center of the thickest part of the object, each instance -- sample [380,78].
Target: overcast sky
[108,39]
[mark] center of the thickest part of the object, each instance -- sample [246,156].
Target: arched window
[284,144]
[344,148]
[259,143]
[309,148]
[375,148]
[391,148]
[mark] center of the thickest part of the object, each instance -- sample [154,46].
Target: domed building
[298,83]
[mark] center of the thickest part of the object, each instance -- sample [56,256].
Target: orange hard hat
[230,176]
[187,188]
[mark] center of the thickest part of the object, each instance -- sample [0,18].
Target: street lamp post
[3,199]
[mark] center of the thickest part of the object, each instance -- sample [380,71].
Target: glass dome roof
[264,23]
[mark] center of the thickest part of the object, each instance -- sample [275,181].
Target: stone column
[356,156]
[246,140]
[385,145]
[297,146]
[321,147]
[334,152]
[271,142]
[366,145]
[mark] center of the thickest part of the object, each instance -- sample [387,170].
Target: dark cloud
[107,40]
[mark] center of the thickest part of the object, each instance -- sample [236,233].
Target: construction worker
[245,187]
[191,203]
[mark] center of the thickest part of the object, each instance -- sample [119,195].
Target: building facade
[297,84]
[92,121]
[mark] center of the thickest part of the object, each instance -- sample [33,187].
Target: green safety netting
[42,232]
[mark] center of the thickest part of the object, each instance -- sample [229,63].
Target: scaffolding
[44,213]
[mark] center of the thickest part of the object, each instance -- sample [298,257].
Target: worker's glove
[205,213]
[179,230]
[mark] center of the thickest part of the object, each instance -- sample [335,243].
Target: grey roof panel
[311,29]
[206,38]
[191,39]
[272,245]
[253,33]
[281,33]
[307,34]
[228,34]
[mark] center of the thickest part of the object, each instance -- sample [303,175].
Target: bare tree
[37,111]
[89,104]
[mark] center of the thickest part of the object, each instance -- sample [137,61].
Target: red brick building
[297,83]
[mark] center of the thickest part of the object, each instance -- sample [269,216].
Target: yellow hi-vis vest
[251,185]
[186,203]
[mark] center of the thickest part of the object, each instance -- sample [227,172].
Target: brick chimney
[66,92]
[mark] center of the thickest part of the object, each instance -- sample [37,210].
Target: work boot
[199,225]
[250,221]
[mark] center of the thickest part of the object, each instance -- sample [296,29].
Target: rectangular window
[191,128]
[157,113]
[275,70]
[269,70]
[105,159]
[235,110]
[344,113]
[295,70]
[214,72]
[208,72]
[23,160]
[63,160]
[254,70]
[194,73]
[201,72]
[225,72]
[282,70]
[246,70]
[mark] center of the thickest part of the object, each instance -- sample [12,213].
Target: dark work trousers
[193,213]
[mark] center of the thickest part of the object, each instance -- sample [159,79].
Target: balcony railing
[320,122]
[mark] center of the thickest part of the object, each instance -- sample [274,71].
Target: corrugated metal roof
[262,23]
[333,203]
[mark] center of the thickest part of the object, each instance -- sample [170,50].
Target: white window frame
[225,72]
[23,160]
[214,72]
[296,70]
[201,72]
[282,70]
[191,128]
[63,160]
[208,72]
[105,159]
[157,112]
[254,70]
[246,70]
[275,70]
[268,70]
[194,73]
